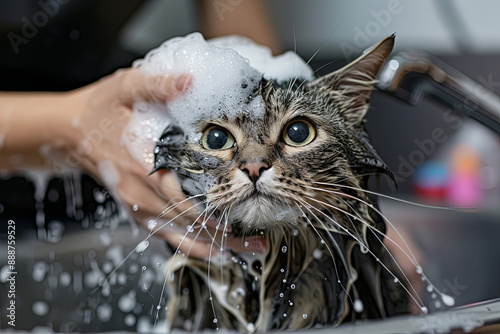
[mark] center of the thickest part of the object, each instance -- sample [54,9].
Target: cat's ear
[355,81]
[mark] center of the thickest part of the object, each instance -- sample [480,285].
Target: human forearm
[246,18]
[31,123]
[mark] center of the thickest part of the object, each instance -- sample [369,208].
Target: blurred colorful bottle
[430,182]
[463,188]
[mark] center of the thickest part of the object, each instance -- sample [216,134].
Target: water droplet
[419,269]
[190,228]
[429,288]
[107,267]
[282,295]
[104,312]
[437,304]
[40,308]
[284,249]
[129,320]
[295,232]
[92,254]
[396,280]
[447,300]
[127,302]
[39,271]
[358,306]
[143,268]
[284,280]
[141,247]
[135,207]
[65,279]
[55,230]
[304,316]
[151,224]
[158,307]
[215,320]
[284,315]
[105,239]
[158,264]
[290,303]
[424,309]
[317,254]
[250,327]
[282,270]
[292,286]
[246,243]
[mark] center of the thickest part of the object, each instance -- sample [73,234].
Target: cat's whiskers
[168,209]
[319,49]
[340,227]
[307,63]
[295,51]
[410,254]
[308,207]
[153,231]
[395,198]
[376,232]
[210,263]
[357,217]
[349,218]
[229,192]
[200,228]
[172,260]
[344,263]
[415,297]
[224,234]
[312,76]
[150,234]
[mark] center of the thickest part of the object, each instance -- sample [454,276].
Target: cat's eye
[217,138]
[299,133]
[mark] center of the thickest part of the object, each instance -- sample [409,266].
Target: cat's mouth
[256,193]
[259,210]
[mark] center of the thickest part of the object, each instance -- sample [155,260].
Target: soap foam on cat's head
[226,75]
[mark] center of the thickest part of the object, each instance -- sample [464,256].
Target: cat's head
[260,171]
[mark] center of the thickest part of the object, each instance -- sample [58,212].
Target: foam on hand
[226,75]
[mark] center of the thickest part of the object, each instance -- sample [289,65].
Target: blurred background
[74,43]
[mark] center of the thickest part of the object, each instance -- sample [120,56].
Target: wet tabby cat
[296,176]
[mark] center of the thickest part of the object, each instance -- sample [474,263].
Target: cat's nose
[254,169]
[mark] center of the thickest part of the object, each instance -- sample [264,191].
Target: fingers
[256,244]
[136,86]
[204,242]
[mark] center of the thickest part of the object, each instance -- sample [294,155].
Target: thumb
[136,86]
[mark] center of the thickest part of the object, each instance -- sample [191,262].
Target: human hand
[104,110]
